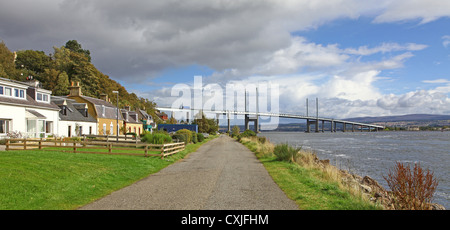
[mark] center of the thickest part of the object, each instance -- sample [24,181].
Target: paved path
[221,175]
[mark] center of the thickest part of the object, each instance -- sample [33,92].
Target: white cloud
[404,10]
[437,81]
[446,40]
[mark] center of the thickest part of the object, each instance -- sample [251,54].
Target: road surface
[221,175]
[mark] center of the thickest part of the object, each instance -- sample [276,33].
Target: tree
[235,131]
[63,83]
[74,46]
[7,67]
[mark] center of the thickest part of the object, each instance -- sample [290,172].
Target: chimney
[75,90]
[127,108]
[104,97]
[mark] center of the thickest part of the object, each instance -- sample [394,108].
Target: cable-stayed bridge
[310,120]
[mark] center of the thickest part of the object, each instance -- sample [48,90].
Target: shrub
[200,137]
[412,190]
[157,138]
[246,133]
[284,152]
[194,137]
[235,131]
[188,134]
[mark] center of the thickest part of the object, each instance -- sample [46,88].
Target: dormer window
[12,92]
[42,97]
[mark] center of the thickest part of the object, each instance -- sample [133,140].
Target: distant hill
[409,117]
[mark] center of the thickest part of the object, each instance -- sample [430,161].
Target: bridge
[310,120]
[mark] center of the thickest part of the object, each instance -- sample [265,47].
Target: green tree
[63,83]
[36,61]
[235,131]
[74,46]
[7,67]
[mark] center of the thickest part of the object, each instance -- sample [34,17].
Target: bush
[284,152]
[188,134]
[194,137]
[246,133]
[412,190]
[157,138]
[200,137]
[235,131]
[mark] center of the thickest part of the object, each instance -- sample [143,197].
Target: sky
[359,58]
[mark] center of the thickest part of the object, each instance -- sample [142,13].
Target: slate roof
[73,110]
[29,102]
[131,116]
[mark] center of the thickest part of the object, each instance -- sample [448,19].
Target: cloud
[446,40]
[405,10]
[437,81]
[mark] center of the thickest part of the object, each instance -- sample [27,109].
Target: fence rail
[113,148]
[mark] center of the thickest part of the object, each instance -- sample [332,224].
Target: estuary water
[374,153]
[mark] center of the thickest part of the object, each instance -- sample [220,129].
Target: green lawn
[49,180]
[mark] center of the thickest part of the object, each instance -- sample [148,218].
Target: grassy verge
[48,180]
[313,186]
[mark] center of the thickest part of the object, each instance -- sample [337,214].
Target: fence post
[162,151]
[25,144]
[146,149]
[40,144]
[74,147]
[7,144]
[109,147]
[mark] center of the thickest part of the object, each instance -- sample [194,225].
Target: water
[373,154]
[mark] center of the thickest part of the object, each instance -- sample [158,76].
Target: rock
[365,188]
[437,207]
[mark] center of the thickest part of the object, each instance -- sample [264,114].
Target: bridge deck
[283,115]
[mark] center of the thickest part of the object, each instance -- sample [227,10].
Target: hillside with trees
[68,63]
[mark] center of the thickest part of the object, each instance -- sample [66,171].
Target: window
[90,130]
[69,130]
[1,90]
[111,131]
[22,93]
[4,126]
[16,92]
[48,126]
[39,96]
[104,129]
[8,91]
[45,97]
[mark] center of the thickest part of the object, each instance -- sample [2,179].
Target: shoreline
[368,187]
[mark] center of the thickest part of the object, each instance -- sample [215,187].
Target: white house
[74,119]
[26,108]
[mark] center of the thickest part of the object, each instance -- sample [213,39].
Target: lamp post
[117,118]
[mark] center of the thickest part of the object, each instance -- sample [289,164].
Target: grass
[310,185]
[49,180]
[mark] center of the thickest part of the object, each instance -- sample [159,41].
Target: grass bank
[311,183]
[48,180]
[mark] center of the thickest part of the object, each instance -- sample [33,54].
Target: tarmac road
[221,175]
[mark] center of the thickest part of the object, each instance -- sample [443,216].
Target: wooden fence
[138,149]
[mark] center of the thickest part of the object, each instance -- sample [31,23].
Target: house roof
[73,108]
[29,102]
[131,118]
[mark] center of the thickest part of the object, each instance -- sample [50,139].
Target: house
[74,119]
[26,108]
[102,110]
[163,116]
[146,119]
[131,121]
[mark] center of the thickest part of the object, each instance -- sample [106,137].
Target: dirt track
[221,175]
